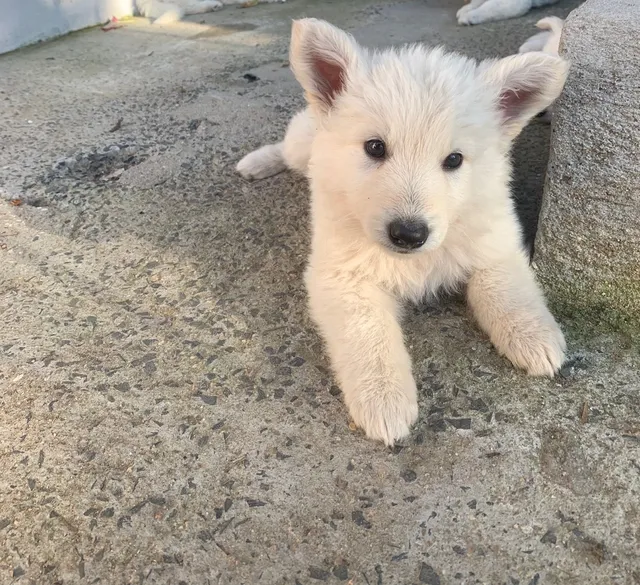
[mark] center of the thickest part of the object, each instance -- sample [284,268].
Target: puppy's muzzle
[407,234]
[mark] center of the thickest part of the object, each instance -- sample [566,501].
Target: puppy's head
[406,137]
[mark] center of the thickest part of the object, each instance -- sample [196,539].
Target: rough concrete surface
[167,415]
[588,252]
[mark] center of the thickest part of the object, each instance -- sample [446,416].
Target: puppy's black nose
[408,234]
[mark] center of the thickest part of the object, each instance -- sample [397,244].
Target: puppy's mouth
[396,251]
[432,243]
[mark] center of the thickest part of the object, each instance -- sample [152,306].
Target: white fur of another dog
[478,11]
[168,12]
[424,104]
[547,41]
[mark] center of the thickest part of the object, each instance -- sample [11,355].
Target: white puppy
[478,11]
[407,153]
[167,12]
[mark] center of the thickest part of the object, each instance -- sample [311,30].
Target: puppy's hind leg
[262,163]
[292,153]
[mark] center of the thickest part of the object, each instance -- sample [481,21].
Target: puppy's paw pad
[385,417]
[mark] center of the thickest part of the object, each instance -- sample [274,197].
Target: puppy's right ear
[322,58]
[523,85]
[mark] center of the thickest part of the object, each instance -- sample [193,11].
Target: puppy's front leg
[511,309]
[360,326]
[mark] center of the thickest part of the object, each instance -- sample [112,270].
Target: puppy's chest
[423,276]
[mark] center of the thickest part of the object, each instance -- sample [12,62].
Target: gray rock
[588,246]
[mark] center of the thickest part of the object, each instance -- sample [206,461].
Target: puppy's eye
[375,148]
[452,162]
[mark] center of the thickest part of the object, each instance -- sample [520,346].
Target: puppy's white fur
[478,11]
[168,12]
[425,104]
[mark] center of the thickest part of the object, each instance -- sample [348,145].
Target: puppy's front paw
[385,414]
[537,348]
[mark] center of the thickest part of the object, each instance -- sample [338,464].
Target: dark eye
[453,161]
[375,148]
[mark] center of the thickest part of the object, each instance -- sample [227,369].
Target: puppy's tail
[551,23]
[554,25]
[546,41]
[535,43]
[292,153]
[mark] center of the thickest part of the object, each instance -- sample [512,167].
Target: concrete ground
[167,415]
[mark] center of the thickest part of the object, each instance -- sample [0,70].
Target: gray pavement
[167,415]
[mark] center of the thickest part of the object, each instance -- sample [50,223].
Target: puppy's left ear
[524,85]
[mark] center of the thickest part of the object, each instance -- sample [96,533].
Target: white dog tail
[546,41]
[551,23]
[535,43]
[292,153]
[554,25]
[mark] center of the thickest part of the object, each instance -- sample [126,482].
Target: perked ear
[322,58]
[524,86]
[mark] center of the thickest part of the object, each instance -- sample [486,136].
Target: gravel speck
[318,574]
[428,575]
[409,475]
[341,572]
[358,517]
[549,537]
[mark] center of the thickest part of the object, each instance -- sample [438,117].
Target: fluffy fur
[167,12]
[424,104]
[547,41]
[478,11]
